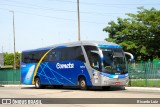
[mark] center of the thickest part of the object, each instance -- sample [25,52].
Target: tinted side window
[69,53]
[25,57]
[72,53]
[33,57]
[79,54]
[60,54]
[41,53]
[64,54]
[93,57]
[88,49]
[53,55]
[30,57]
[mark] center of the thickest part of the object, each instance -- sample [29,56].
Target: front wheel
[82,84]
[38,83]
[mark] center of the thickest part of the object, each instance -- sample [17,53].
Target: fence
[144,74]
[10,76]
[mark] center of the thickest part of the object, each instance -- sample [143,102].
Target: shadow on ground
[1,86]
[64,88]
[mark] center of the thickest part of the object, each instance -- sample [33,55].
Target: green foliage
[138,34]
[9,59]
[17,59]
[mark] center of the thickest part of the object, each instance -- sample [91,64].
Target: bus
[83,63]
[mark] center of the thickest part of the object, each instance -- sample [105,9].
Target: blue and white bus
[84,64]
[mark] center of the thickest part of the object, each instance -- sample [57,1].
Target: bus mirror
[131,56]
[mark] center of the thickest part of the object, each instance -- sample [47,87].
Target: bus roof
[102,44]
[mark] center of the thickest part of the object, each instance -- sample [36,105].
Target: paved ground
[73,92]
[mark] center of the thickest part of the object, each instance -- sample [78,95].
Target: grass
[145,82]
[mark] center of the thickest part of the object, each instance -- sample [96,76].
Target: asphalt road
[74,92]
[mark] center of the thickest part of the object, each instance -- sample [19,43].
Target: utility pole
[79,38]
[14,66]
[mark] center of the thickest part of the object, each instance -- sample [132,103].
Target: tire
[106,87]
[38,84]
[82,83]
[123,88]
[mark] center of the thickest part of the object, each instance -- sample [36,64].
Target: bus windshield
[114,61]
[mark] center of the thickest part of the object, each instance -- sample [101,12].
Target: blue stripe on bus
[108,46]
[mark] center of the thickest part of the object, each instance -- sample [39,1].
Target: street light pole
[79,38]
[14,66]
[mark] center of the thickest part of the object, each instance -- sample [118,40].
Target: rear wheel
[38,83]
[82,84]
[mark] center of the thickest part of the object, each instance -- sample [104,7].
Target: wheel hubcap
[83,83]
[37,83]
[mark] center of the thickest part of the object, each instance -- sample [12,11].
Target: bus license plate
[117,83]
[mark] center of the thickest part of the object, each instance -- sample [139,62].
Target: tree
[9,59]
[138,34]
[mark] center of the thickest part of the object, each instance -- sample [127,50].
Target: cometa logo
[66,66]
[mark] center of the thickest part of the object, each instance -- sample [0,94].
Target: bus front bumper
[115,81]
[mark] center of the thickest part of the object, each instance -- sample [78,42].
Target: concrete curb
[144,88]
[18,85]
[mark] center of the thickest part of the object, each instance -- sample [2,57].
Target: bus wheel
[82,83]
[38,83]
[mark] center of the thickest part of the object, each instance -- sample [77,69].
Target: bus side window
[58,54]
[29,57]
[52,56]
[41,54]
[64,54]
[74,53]
[25,58]
[69,53]
[79,54]
[94,58]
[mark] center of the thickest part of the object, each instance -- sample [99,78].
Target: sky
[40,23]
